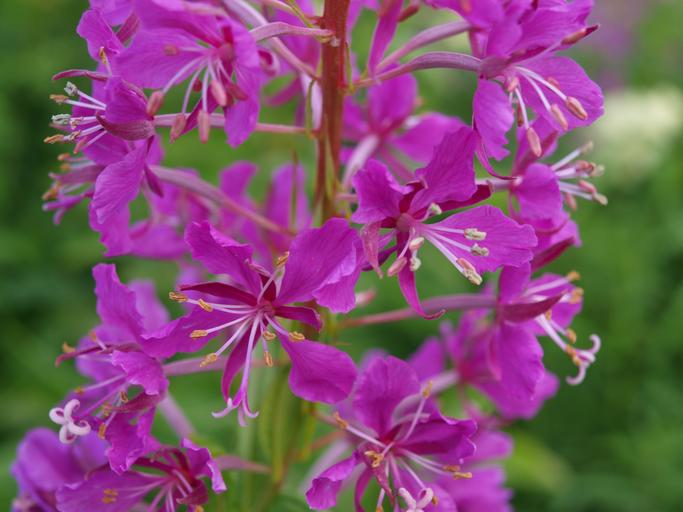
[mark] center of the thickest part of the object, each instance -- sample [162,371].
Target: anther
[456,473]
[534,141]
[199,333]
[102,55]
[61,119]
[397,266]
[469,271]
[177,296]
[218,92]
[511,84]
[428,389]
[178,126]
[156,99]
[204,305]
[376,458]
[571,336]
[79,390]
[70,88]
[109,496]
[296,336]
[67,349]
[53,139]
[435,209]
[576,108]
[475,234]
[269,359]
[573,276]
[123,396]
[281,260]
[209,359]
[559,116]
[203,125]
[548,315]
[102,430]
[416,243]
[478,250]
[341,423]
[415,263]
[59,98]
[576,296]
[268,336]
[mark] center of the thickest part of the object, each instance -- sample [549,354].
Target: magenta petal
[391,102]
[153,313]
[493,118]
[422,137]
[429,360]
[131,488]
[319,373]
[381,387]
[378,192]
[507,242]
[573,81]
[318,257]
[202,464]
[322,495]
[300,314]
[149,63]
[449,175]
[384,31]
[513,281]
[222,290]
[141,370]
[118,184]
[287,204]
[538,194]
[221,254]
[98,34]
[406,281]
[116,304]
[128,441]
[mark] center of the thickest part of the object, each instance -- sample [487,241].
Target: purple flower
[257,299]
[117,138]
[518,51]
[477,240]
[112,357]
[44,464]
[217,54]
[399,438]
[386,128]
[173,475]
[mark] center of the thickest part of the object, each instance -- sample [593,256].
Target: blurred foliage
[614,443]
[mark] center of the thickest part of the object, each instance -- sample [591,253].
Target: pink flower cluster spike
[273,284]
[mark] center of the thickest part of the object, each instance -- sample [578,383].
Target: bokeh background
[614,443]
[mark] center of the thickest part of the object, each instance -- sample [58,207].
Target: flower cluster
[272,282]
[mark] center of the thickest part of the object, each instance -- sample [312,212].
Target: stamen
[475,234]
[415,263]
[209,359]
[199,333]
[156,100]
[397,266]
[296,336]
[376,458]
[177,296]
[455,472]
[268,358]
[109,496]
[202,304]
[478,250]
[434,209]
[573,275]
[268,335]
[470,272]
[416,243]
[67,349]
[281,260]
[341,423]
[576,108]
[534,141]
[559,116]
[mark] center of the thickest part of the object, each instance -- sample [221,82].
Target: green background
[615,443]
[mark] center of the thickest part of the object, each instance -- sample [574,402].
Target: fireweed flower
[127,383]
[541,190]
[44,464]
[399,438]
[386,129]
[257,300]
[172,475]
[519,52]
[485,490]
[503,358]
[118,144]
[217,54]
[477,240]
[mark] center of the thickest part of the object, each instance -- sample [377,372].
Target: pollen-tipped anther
[296,336]
[397,266]
[177,296]
[375,458]
[154,103]
[534,141]
[204,305]
[209,359]
[576,108]
[199,333]
[475,234]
